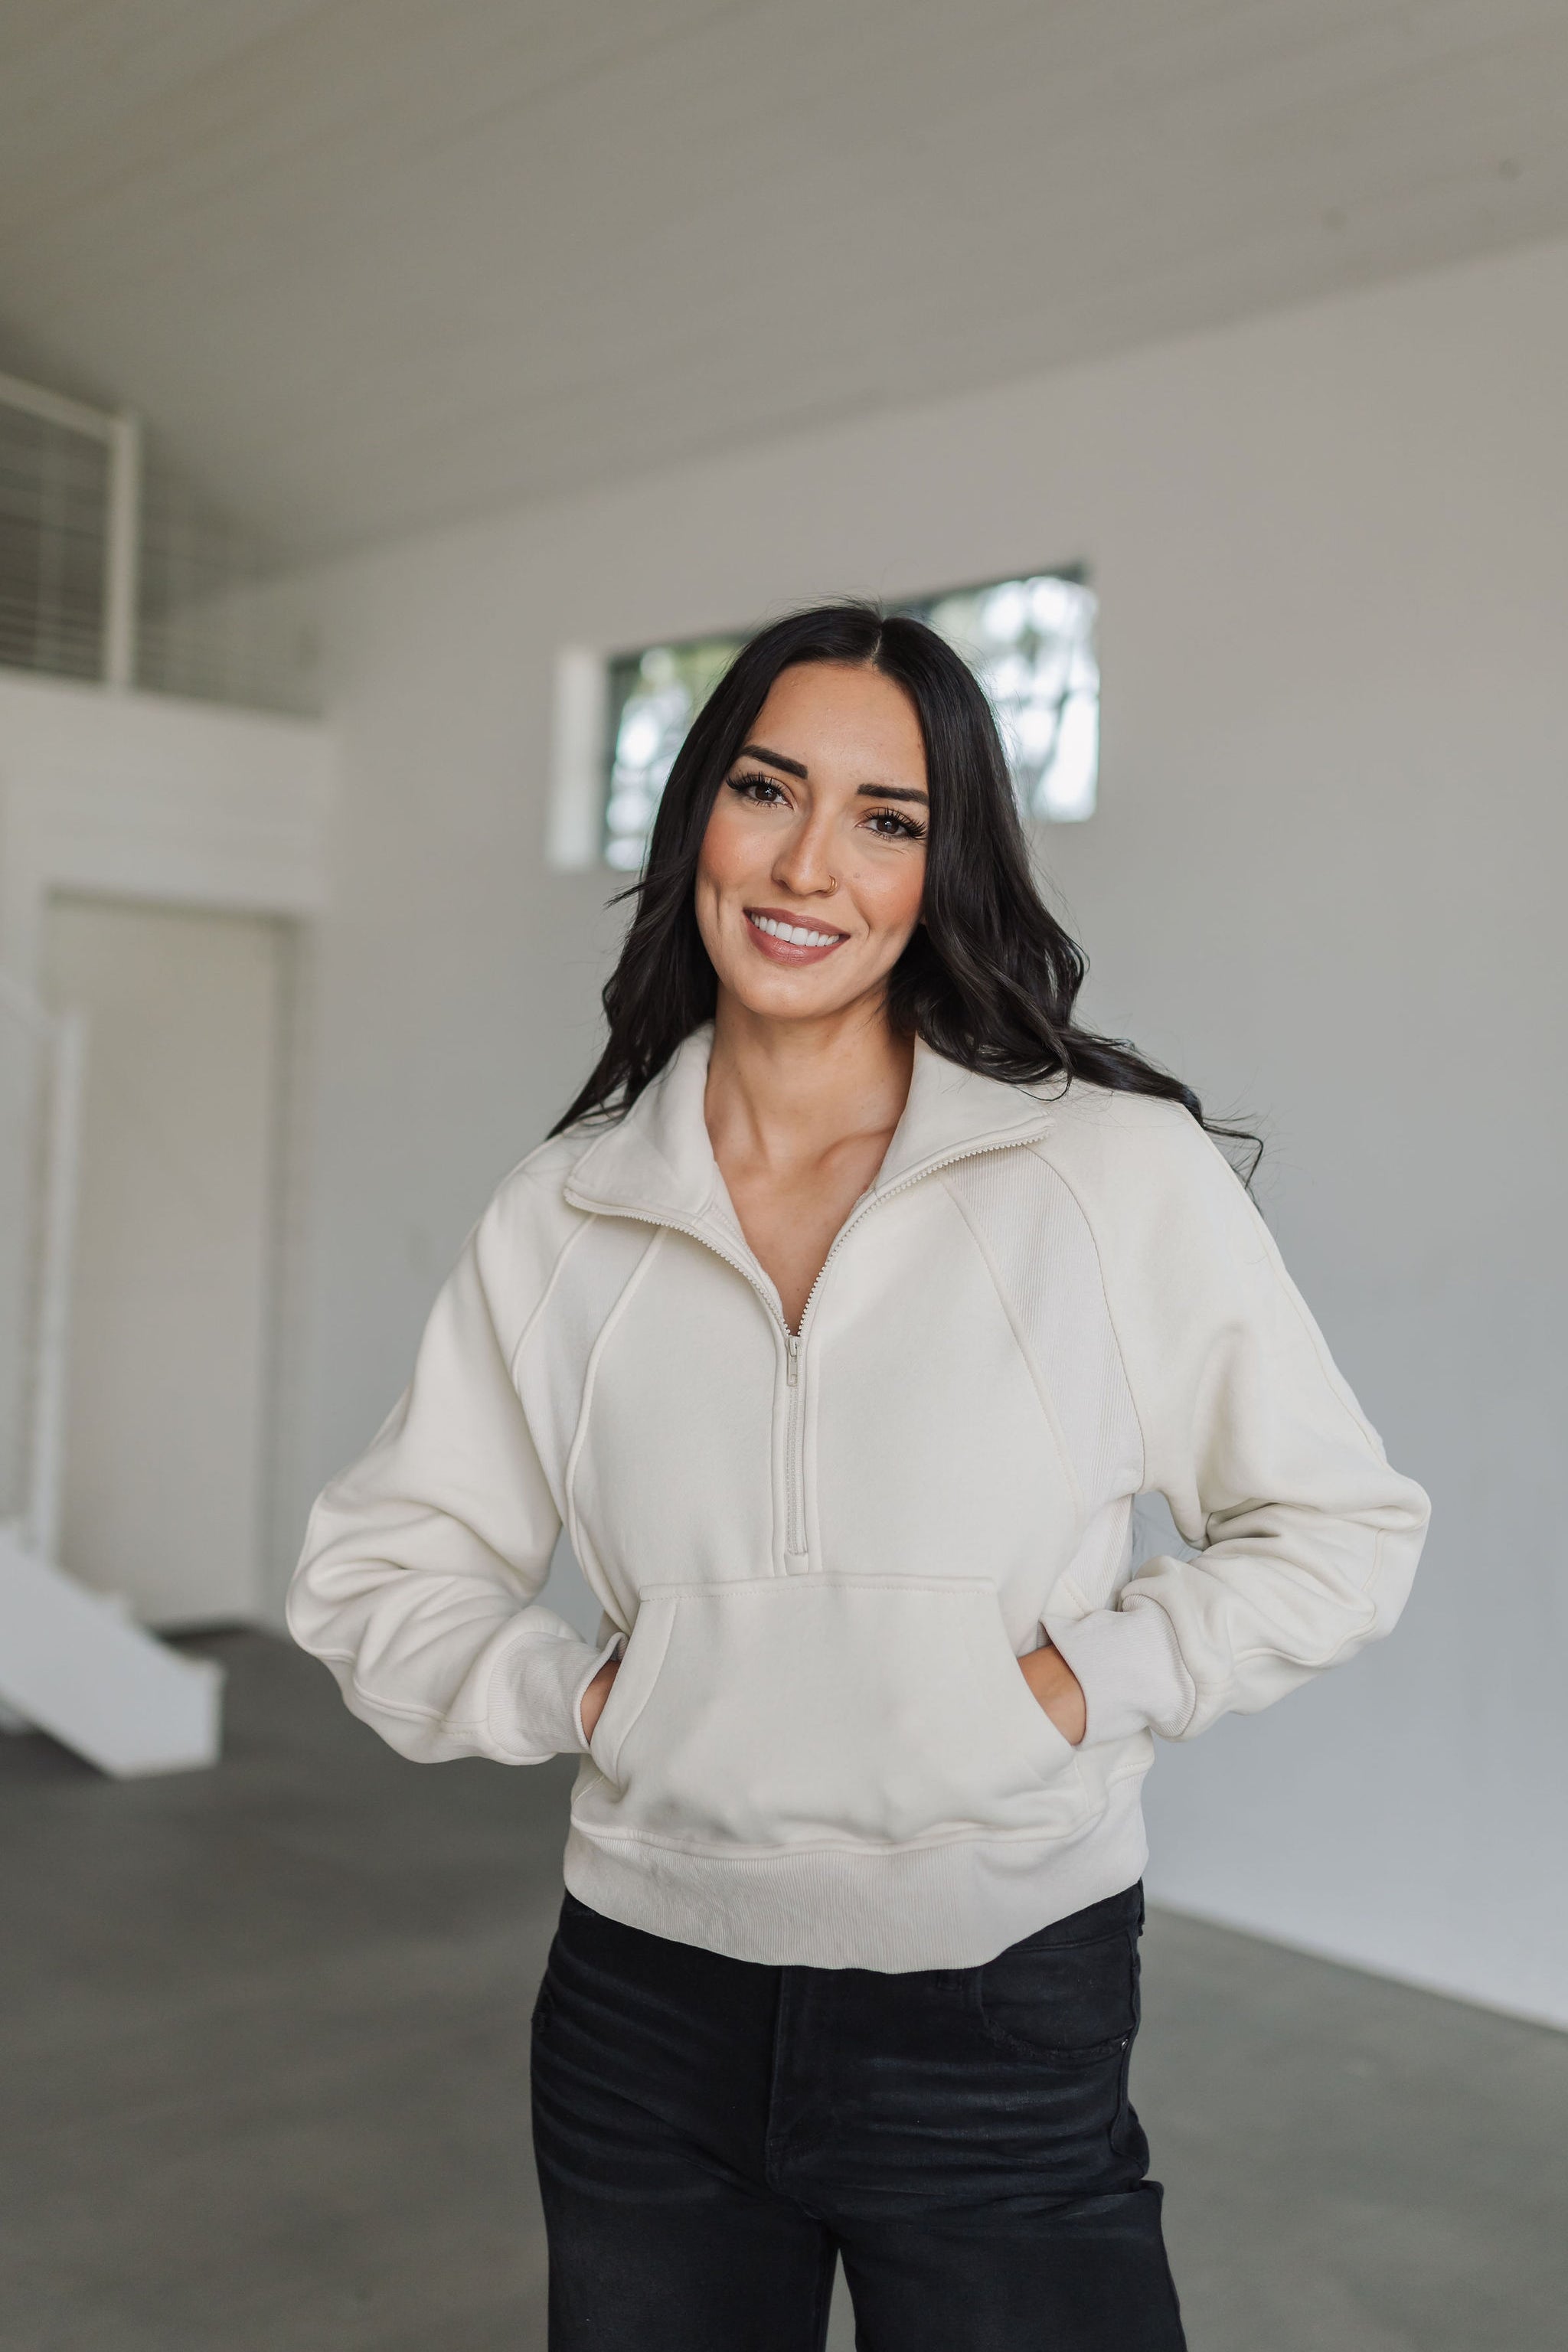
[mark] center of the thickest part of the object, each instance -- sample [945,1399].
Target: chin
[785,999]
[798,996]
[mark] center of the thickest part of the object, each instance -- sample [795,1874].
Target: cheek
[889,896]
[729,852]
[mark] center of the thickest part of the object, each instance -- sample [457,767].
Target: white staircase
[72,1662]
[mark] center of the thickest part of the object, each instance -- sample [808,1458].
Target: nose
[802,865]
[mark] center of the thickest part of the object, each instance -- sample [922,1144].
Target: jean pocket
[1065,2004]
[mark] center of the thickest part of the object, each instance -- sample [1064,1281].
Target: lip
[787,951]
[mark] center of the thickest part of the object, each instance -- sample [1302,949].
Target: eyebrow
[798,768]
[893,792]
[774,758]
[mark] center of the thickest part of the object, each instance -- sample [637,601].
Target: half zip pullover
[821,1552]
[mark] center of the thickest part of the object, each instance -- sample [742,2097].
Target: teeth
[796,934]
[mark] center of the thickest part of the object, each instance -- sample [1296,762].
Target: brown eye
[890,824]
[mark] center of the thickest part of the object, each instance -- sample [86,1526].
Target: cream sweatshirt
[822,1553]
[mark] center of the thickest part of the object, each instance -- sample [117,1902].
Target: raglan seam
[1038,1148]
[1037,1377]
[590,1375]
[537,1309]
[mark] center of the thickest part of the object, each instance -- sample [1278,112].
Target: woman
[841,1320]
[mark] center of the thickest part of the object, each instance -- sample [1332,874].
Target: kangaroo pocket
[819,1708]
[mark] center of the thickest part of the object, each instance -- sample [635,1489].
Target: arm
[421,1563]
[1307,1540]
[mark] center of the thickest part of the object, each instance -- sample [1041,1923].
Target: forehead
[842,724]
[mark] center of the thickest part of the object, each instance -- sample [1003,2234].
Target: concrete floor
[264,2041]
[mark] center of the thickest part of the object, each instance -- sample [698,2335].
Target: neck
[783,1092]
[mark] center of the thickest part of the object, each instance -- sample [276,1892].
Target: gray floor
[264,2056]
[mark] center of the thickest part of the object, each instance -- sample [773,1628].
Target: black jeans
[709,2133]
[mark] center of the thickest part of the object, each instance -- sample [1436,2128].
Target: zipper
[794,1442]
[794,1453]
[795,1342]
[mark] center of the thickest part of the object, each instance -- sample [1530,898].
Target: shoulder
[1143,1170]
[544,1173]
[1103,1128]
[528,1222]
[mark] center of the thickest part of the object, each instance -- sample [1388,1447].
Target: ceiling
[370,263]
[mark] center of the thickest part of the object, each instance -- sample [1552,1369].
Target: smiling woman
[855,1299]
[809,886]
[986,975]
[832,825]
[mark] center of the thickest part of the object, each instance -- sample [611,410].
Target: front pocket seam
[713,1588]
[1095,2053]
[1068,1756]
[1080,1943]
[1057,2054]
[1039,1756]
[610,1768]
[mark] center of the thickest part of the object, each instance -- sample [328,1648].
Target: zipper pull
[791,1348]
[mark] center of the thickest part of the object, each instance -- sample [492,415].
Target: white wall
[148,798]
[174,1259]
[1325,881]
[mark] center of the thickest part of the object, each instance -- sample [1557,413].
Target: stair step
[74,1665]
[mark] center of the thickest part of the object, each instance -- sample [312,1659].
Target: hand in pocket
[1058,1690]
[591,1705]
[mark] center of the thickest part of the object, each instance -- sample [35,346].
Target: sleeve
[1306,1541]
[421,1563]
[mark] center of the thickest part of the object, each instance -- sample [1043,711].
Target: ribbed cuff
[1129,1669]
[539,1688]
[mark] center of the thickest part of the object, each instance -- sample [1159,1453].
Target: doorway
[165,1451]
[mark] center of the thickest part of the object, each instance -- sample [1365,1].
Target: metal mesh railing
[53,494]
[115,567]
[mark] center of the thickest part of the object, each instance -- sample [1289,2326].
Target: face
[809,881]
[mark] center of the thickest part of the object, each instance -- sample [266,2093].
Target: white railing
[117,569]
[121,438]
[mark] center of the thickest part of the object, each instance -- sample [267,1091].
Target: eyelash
[908,828]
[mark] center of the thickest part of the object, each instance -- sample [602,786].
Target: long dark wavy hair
[989,977]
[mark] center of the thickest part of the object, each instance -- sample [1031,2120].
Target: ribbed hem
[1131,1670]
[954,1906]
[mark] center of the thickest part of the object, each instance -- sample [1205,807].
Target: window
[1030,642]
[654,697]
